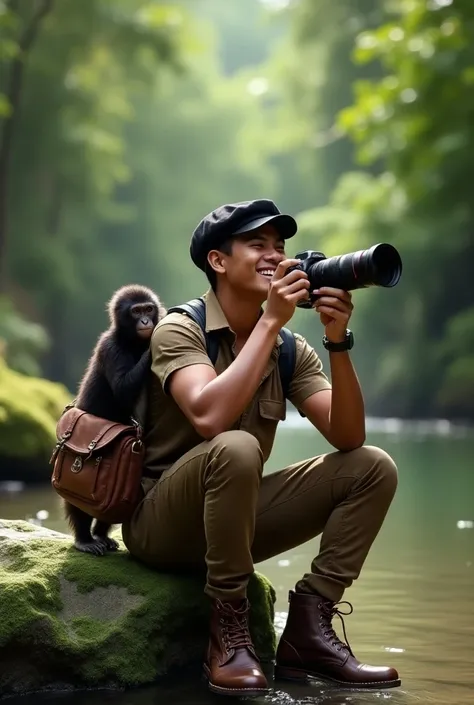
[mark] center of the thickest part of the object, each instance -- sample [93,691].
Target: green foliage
[411,124]
[29,410]
[88,64]
[314,73]
[88,622]
[418,117]
[24,341]
[132,145]
[138,117]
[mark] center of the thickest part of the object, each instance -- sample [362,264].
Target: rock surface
[70,620]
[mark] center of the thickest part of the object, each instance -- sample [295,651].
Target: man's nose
[275,257]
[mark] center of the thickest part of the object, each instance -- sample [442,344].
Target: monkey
[111,384]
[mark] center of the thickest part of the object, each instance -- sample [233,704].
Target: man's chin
[263,282]
[257,289]
[262,286]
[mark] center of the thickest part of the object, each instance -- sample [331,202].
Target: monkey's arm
[126,378]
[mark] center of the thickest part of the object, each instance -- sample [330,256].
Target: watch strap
[342,346]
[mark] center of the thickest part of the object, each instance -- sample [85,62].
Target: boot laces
[234,625]
[328,611]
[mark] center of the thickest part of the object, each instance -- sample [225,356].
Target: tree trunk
[14,86]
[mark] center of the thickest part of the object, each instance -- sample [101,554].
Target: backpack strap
[287,359]
[196,309]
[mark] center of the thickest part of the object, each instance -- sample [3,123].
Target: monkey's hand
[126,382]
[95,548]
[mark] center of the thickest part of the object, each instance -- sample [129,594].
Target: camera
[380,265]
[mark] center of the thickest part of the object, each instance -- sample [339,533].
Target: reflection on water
[413,604]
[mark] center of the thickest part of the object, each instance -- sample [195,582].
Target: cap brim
[284,224]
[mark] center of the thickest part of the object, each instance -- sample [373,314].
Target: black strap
[287,359]
[196,309]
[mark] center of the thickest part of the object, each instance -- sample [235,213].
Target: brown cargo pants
[213,510]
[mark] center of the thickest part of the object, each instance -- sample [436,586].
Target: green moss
[20,525]
[104,621]
[29,410]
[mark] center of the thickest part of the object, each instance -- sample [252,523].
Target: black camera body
[380,265]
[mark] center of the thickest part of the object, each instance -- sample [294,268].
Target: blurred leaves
[22,342]
[128,134]
[411,123]
[29,410]
[138,117]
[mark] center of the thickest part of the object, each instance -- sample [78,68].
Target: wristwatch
[344,345]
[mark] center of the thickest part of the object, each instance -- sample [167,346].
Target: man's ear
[215,261]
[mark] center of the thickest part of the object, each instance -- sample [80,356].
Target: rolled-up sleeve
[177,342]
[308,377]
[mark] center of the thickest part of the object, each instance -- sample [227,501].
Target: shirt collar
[215,316]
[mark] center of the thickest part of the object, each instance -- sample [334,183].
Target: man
[210,430]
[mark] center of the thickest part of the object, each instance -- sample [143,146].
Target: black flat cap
[235,219]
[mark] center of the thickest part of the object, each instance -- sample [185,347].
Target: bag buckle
[62,440]
[77,464]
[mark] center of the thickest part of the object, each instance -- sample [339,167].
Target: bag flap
[83,433]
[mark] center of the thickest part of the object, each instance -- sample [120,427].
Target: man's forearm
[347,414]
[227,396]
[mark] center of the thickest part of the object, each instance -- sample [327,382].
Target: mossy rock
[71,620]
[29,411]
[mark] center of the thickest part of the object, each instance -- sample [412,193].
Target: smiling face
[251,261]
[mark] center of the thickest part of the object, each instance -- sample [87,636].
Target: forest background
[123,122]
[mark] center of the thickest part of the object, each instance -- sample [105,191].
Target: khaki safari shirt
[177,342]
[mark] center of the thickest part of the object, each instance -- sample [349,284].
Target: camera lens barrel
[380,265]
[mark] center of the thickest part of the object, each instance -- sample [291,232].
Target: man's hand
[285,291]
[335,309]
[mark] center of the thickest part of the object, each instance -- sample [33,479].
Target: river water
[414,601]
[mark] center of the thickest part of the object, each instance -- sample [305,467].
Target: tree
[17,48]
[86,65]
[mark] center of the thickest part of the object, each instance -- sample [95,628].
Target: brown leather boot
[310,648]
[232,666]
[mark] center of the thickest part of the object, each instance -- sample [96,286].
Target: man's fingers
[280,271]
[334,313]
[300,295]
[332,291]
[334,302]
[293,286]
[294,277]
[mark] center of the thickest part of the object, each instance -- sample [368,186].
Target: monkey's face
[145,317]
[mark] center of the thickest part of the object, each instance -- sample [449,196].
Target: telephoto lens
[379,265]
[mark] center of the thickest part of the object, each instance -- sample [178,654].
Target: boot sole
[294,674]
[232,692]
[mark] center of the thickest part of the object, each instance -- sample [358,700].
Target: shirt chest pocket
[272,410]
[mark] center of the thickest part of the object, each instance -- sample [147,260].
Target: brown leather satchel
[97,465]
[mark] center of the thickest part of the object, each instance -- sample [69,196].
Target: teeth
[267,272]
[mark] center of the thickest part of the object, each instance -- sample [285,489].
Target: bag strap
[196,310]
[287,359]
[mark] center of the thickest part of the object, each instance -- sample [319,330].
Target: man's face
[254,259]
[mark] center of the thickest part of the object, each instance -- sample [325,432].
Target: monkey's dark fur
[112,382]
